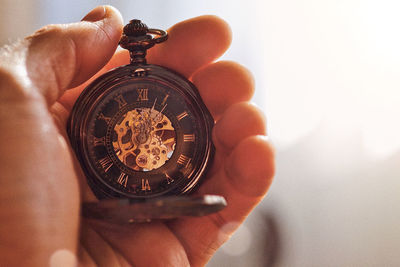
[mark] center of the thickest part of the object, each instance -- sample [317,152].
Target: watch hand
[153,118]
[157,117]
[162,109]
[152,108]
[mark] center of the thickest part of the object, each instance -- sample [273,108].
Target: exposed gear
[145,139]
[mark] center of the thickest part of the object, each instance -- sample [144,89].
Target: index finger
[192,44]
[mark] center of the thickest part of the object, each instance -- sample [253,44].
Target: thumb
[63,56]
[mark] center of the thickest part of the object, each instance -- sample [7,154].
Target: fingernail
[96,14]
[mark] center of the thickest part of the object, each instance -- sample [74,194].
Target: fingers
[142,244]
[244,179]
[192,44]
[248,170]
[242,173]
[222,84]
[63,56]
[239,121]
[69,97]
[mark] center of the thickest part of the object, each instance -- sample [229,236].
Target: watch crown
[135,28]
[137,38]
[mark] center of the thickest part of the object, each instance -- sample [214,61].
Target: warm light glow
[337,63]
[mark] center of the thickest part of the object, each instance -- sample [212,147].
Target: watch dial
[141,137]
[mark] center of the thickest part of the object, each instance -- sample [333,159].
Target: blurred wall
[15,21]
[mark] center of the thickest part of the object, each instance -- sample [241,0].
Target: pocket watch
[143,138]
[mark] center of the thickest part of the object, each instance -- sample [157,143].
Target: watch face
[141,133]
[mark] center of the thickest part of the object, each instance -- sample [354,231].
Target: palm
[243,164]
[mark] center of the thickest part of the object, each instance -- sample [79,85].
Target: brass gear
[145,139]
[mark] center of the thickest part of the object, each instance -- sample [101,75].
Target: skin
[42,185]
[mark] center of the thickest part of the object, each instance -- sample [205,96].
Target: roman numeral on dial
[106,163]
[188,138]
[184,160]
[123,179]
[182,115]
[142,94]
[102,117]
[120,100]
[164,100]
[169,178]
[145,185]
[99,141]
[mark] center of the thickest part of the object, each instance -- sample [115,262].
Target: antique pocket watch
[143,137]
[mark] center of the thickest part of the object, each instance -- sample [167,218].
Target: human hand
[42,185]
